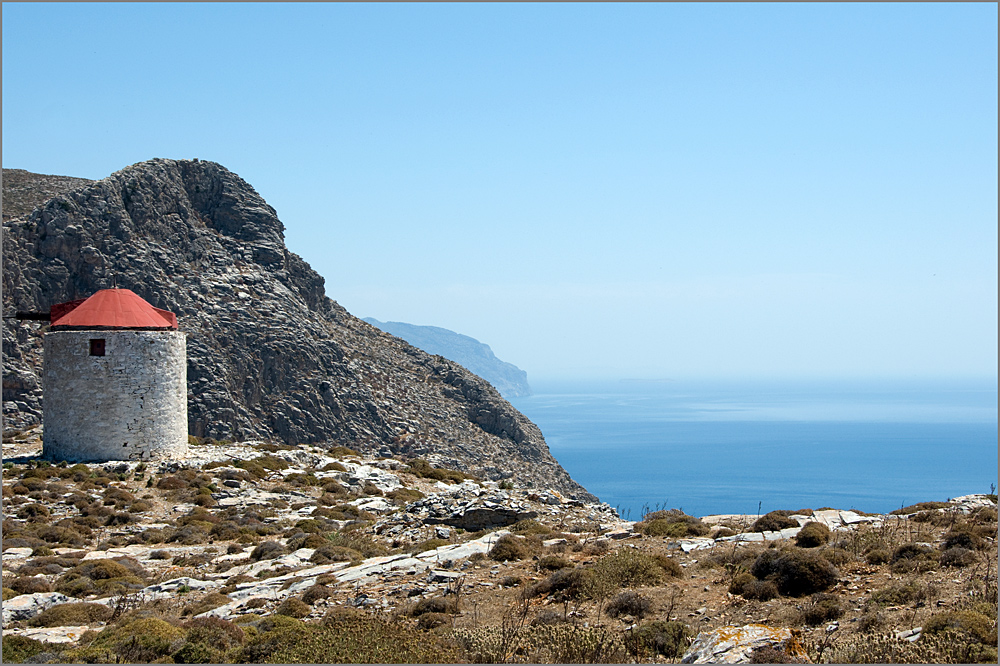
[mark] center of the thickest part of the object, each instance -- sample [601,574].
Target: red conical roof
[111,308]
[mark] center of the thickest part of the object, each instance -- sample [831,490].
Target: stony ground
[254,541]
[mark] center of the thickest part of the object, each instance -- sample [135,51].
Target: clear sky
[640,190]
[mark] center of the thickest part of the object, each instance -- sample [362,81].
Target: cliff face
[476,357]
[269,355]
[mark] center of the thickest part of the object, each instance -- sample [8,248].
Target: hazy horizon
[674,191]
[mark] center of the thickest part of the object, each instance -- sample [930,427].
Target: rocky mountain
[510,380]
[270,356]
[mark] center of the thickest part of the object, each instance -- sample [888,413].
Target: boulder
[734,645]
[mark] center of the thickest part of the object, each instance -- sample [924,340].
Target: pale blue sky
[643,190]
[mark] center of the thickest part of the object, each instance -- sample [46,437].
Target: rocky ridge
[270,356]
[473,355]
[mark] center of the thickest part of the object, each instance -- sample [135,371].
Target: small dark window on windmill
[97,346]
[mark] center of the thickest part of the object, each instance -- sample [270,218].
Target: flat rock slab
[733,645]
[27,606]
[50,634]
[301,580]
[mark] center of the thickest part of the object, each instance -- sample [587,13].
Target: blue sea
[715,447]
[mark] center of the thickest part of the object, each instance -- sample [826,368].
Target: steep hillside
[473,355]
[269,355]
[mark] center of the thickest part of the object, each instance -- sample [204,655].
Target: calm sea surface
[724,448]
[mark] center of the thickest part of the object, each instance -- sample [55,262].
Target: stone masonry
[129,404]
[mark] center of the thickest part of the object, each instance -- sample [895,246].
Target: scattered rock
[733,645]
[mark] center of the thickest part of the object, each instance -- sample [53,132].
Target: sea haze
[731,447]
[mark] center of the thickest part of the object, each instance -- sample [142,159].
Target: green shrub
[71,614]
[434,605]
[16,649]
[330,553]
[768,654]
[672,523]
[139,641]
[962,538]
[303,540]
[669,565]
[878,556]
[552,563]
[822,608]
[317,592]
[564,584]
[671,639]
[8,593]
[975,625]
[196,652]
[509,548]
[774,521]
[795,572]
[362,543]
[214,631]
[530,526]
[812,535]
[32,511]
[345,637]
[914,557]
[835,556]
[206,603]
[920,506]
[749,587]
[627,567]
[341,452]
[404,495]
[424,469]
[293,607]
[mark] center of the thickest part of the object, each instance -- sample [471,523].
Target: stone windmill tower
[114,380]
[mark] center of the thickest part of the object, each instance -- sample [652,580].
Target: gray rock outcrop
[269,355]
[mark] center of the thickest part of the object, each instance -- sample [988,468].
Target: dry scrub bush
[435,605]
[900,594]
[205,604]
[670,639]
[629,603]
[957,557]
[509,548]
[317,592]
[673,523]
[627,567]
[139,641]
[553,563]
[29,585]
[17,649]
[914,557]
[812,535]
[822,608]
[293,607]
[344,637]
[774,521]
[795,572]
[330,553]
[71,614]
[559,643]
[749,587]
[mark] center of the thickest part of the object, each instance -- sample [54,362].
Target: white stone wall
[130,404]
